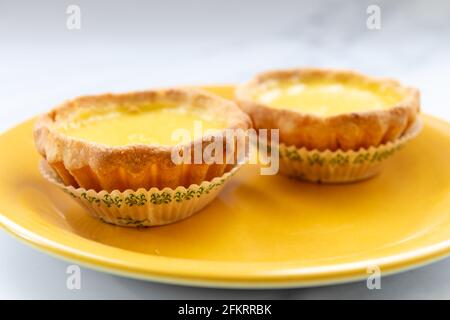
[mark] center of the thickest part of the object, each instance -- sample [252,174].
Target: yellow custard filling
[325,99]
[151,125]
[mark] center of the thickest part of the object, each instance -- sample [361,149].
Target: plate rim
[267,278]
[352,272]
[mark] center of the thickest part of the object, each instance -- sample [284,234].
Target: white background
[133,45]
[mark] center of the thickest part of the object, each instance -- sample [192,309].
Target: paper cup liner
[143,208]
[340,166]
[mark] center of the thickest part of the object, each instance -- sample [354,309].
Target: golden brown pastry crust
[349,131]
[90,165]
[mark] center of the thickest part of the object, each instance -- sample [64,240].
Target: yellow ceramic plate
[262,231]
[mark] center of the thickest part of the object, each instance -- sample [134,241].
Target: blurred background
[133,45]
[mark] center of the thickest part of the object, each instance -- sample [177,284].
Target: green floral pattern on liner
[110,201]
[73,195]
[339,159]
[315,158]
[292,155]
[90,199]
[180,196]
[160,198]
[128,221]
[140,199]
[135,200]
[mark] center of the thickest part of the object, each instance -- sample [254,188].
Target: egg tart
[334,126]
[321,109]
[124,141]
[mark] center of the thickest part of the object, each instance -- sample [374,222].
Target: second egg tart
[124,141]
[329,109]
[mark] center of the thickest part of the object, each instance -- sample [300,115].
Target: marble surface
[123,47]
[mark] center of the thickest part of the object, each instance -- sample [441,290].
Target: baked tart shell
[347,131]
[90,165]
